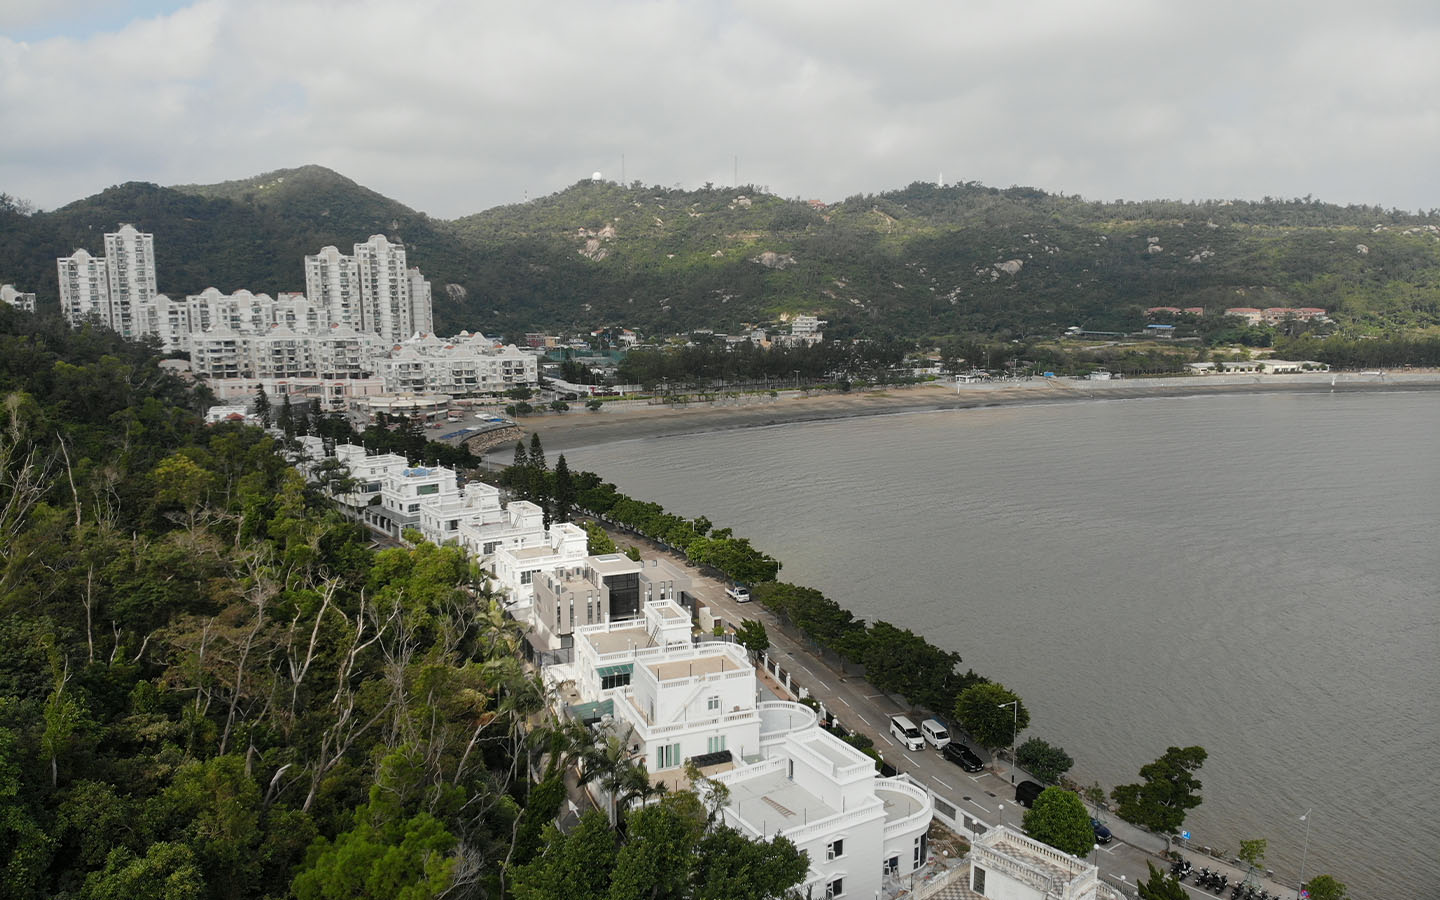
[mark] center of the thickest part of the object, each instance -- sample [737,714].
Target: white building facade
[130,276]
[18,299]
[84,288]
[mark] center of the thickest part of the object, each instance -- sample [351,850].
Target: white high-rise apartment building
[384,288]
[84,287]
[332,283]
[130,273]
[421,320]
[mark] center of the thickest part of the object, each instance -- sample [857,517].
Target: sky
[455,107]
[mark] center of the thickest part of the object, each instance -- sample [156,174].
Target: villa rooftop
[620,639]
[689,668]
[776,803]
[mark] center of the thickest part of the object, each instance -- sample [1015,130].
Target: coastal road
[986,797]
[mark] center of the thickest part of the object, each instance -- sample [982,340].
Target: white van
[906,733]
[936,734]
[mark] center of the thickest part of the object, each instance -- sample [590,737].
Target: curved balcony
[907,807]
[781,717]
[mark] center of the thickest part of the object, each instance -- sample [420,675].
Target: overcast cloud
[456,107]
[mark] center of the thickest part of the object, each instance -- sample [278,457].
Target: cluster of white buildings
[363,326]
[1274,315]
[615,640]
[10,296]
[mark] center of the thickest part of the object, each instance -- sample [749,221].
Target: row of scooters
[1217,882]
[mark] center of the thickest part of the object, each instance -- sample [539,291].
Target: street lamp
[1002,815]
[1014,729]
[1304,854]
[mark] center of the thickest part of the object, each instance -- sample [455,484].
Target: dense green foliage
[1044,760]
[213,686]
[1059,818]
[1160,886]
[896,660]
[992,714]
[1168,789]
[704,361]
[920,261]
[717,548]
[672,850]
[1325,887]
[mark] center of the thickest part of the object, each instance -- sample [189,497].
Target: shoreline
[639,420]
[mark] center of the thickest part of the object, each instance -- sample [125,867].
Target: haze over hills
[921,261]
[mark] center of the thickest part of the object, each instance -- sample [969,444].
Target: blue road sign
[1185,835]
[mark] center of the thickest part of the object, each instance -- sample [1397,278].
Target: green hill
[922,261]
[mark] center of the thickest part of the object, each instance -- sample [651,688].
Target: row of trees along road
[212,686]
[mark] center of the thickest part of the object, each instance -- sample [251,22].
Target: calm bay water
[1259,575]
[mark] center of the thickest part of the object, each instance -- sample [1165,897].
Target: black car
[962,756]
[1102,834]
[1027,791]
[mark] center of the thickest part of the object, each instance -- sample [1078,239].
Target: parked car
[1102,834]
[739,593]
[1027,791]
[962,756]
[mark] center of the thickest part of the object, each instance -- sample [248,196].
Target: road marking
[890,739]
[844,701]
[973,803]
[873,696]
[947,787]
[912,762]
[866,721]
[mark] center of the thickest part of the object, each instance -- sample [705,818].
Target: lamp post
[1305,853]
[1002,815]
[1014,729]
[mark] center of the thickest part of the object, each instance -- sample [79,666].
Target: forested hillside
[925,261]
[212,686]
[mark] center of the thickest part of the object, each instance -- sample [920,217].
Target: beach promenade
[626,420]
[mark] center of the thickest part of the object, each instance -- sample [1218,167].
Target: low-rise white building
[465,364]
[562,553]
[12,297]
[827,797]
[1006,865]
[489,526]
[674,701]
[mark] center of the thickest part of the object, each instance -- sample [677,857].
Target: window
[667,756]
[712,703]
[835,888]
[489,547]
[715,744]
[977,880]
[835,849]
[620,679]
[424,489]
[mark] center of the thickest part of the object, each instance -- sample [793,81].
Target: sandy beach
[640,419]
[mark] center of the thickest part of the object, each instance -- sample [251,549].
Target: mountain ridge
[920,261]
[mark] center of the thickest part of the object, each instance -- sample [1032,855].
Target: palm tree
[610,764]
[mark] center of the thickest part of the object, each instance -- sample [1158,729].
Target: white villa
[1006,865]
[676,702]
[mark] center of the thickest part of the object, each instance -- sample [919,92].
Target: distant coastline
[638,420]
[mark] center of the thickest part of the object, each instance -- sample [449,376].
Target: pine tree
[262,405]
[562,501]
[537,455]
[286,419]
